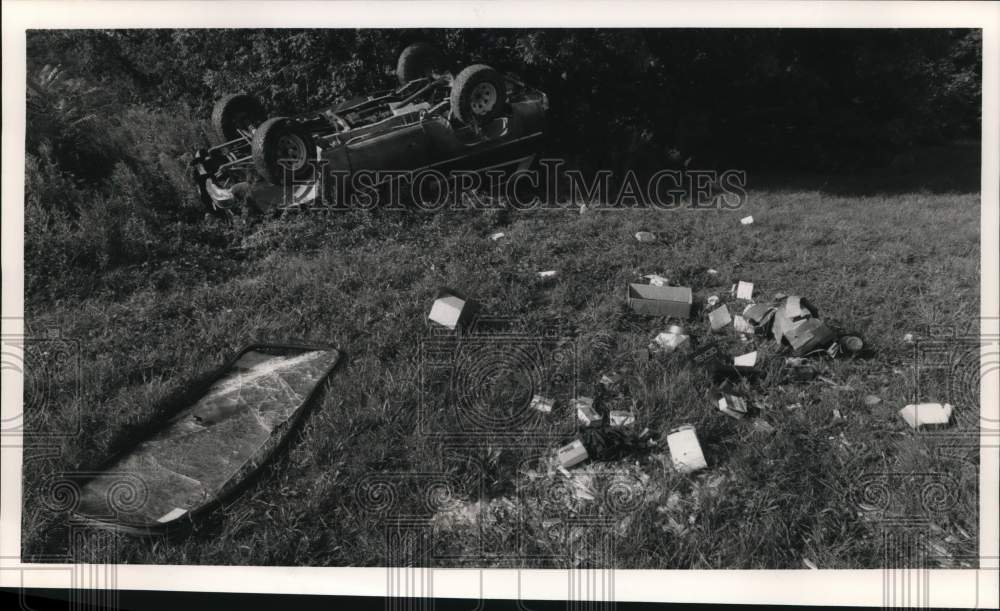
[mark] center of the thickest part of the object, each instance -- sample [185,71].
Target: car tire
[235,112]
[417,61]
[277,139]
[478,95]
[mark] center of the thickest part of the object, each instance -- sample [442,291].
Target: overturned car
[436,123]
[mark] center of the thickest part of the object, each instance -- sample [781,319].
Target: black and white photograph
[503,297]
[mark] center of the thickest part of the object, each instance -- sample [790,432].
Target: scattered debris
[572,454]
[719,318]
[744,290]
[685,451]
[712,301]
[496,236]
[672,339]
[611,382]
[585,412]
[746,360]
[542,404]
[763,426]
[450,309]
[926,414]
[657,280]
[872,400]
[809,335]
[651,300]
[645,236]
[548,274]
[620,418]
[733,406]
[742,325]
[747,220]
[712,272]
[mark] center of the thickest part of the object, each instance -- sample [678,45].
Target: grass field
[880,264]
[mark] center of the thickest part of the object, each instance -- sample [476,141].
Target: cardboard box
[926,414]
[660,300]
[542,404]
[758,313]
[719,318]
[450,309]
[744,290]
[685,451]
[572,454]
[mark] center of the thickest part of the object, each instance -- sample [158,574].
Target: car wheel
[236,112]
[417,61]
[276,141]
[478,95]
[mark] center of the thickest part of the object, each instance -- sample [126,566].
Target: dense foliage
[112,115]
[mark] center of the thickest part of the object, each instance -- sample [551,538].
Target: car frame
[476,121]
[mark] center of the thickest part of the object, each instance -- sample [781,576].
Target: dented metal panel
[209,446]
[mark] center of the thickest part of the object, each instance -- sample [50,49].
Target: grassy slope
[882,265]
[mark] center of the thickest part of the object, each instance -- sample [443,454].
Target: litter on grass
[685,451]
[548,274]
[746,360]
[619,418]
[747,220]
[585,412]
[670,340]
[657,280]
[450,309]
[542,404]
[571,454]
[733,406]
[744,290]
[645,236]
[673,301]
[719,318]
[926,414]
[496,236]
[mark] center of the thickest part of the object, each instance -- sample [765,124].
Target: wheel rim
[292,148]
[484,98]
